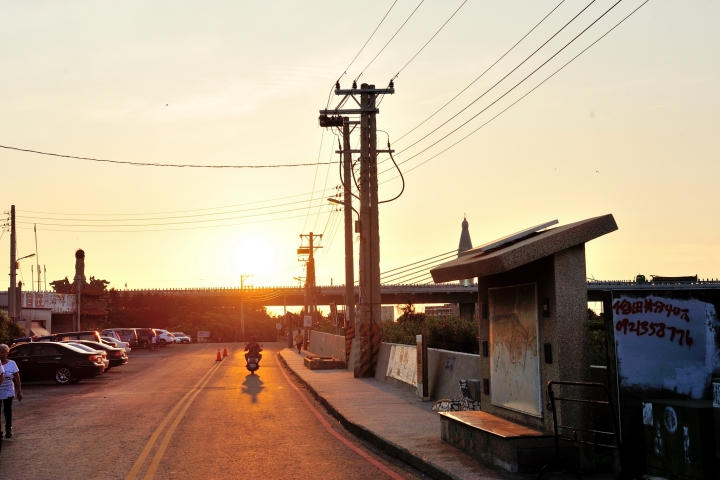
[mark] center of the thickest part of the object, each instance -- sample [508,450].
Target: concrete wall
[327,345]
[445,369]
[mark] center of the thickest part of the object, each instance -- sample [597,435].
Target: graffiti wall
[403,364]
[665,343]
[514,361]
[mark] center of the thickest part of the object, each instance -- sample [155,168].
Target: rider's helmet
[253,338]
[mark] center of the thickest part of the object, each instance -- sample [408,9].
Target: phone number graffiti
[654,329]
[649,306]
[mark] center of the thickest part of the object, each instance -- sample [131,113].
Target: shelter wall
[560,280]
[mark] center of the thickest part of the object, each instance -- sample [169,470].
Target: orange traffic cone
[219,358]
[225,352]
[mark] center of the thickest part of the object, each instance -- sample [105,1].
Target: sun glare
[255,255]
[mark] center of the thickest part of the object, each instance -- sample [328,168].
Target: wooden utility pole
[242,306]
[310,287]
[12,300]
[366,344]
[348,211]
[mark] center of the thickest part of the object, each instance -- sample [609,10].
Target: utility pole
[37,258]
[366,344]
[242,306]
[310,288]
[348,208]
[12,300]
[288,321]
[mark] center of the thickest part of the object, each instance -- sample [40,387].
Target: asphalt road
[178,413]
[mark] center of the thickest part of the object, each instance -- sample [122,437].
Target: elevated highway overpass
[395,294]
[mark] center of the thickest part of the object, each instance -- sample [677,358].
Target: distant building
[447,310]
[387,313]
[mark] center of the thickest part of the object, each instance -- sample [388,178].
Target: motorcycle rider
[253,348]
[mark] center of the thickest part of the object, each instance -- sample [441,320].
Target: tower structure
[467,310]
[465,244]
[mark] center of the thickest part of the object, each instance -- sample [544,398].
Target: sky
[630,127]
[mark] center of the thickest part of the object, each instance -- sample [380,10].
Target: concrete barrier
[446,369]
[327,345]
[397,364]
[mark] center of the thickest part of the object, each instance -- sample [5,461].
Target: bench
[497,441]
[317,362]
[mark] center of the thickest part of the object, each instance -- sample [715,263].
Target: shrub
[448,333]
[9,331]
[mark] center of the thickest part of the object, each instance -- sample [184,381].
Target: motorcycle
[253,363]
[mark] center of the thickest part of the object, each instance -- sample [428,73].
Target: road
[178,413]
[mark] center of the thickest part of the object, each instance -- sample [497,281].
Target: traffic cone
[219,358]
[225,352]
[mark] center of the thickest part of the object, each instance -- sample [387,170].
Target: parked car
[115,356]
[101,353]
[142,335]
[165,337]
[180,337]
[117,343]
[125,334]
[86,335]
[61,362]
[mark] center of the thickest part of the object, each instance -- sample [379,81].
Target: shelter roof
[535,246]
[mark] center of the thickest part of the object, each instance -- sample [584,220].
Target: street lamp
[335,201]
[17,262]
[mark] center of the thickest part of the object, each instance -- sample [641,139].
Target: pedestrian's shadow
[252,386]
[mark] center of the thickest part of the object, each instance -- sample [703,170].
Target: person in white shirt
[9,387]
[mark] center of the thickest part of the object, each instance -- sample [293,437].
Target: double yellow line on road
[183,406]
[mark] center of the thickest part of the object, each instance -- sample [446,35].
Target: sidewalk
[391,418]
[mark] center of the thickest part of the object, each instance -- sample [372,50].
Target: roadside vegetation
[9,330]
[447,333]
[190,314]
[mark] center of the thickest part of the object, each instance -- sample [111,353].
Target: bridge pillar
[467,310]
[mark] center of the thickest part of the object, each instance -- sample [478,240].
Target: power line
[174,211]
[388,42]
[173,165]
[419,261]
[163,224]
[168,229]
[327,175]
[161,218]
[312,192]
[519,99]
[479,76]
[511,72]
[426,43]
[166,223]
[414,270]
[364,45]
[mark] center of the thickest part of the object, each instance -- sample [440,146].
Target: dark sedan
[55,361]
[117,356]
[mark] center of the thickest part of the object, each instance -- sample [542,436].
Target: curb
[386,446]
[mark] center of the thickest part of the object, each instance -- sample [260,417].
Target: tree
[9,331]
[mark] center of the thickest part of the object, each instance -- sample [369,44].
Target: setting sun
[256,255]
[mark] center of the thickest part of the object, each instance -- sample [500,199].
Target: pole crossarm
[350,111]
[358,151]
[358,91]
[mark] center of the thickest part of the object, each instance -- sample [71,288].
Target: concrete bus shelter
[533,329]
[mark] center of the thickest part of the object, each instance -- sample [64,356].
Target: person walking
[9,388]
[154,342]
[299,340]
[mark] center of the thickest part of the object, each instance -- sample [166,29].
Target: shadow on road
[252,386]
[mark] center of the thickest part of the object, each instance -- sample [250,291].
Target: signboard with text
[664,343]
[307,321]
